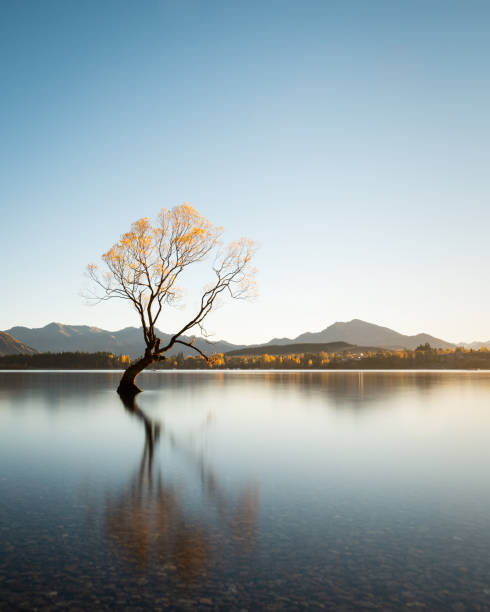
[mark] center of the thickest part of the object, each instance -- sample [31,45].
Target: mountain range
[359,332]
[57,337]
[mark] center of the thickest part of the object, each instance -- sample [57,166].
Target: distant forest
[64,361]
[423,357]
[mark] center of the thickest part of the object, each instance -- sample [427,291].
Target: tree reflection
[150,527]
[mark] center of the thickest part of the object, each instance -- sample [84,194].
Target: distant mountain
[12,346]
[296,349]
[361,333]
[475,345]
[57,337]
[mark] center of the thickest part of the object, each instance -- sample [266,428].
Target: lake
[245,490]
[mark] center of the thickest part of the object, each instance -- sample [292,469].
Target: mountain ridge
[362,333]
[60,337]
[12,346]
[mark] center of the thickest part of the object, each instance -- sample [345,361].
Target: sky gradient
[350,139]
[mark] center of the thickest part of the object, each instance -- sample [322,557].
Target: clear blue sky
[351,139]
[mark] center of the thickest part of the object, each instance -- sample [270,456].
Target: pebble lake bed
[226,490]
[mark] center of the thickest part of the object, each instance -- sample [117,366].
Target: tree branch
[192,347]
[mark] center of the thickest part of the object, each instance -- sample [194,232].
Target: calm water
[242,490]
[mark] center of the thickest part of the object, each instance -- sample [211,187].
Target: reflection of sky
[284,430]
[253,474]
[341,429]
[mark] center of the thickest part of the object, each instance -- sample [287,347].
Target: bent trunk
[127,386]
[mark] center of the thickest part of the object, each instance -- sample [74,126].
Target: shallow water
[245,490]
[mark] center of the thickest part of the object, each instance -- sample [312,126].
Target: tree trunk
[127,386]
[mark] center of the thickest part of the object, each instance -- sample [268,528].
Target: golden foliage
[145,264]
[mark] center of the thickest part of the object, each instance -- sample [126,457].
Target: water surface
[245,490]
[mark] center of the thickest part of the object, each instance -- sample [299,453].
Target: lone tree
[146,263]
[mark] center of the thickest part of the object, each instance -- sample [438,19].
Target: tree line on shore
[422,357]
[65,361]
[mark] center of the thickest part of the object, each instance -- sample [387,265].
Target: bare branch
[192,346]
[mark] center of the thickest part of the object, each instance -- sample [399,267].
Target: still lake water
[245,490]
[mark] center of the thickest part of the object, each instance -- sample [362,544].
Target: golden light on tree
[144,268]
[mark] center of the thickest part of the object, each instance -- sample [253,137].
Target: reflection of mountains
[358,388]
[337,388]
[65,390]
[57,389]
[150,527]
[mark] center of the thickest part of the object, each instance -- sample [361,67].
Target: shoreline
[251,370]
